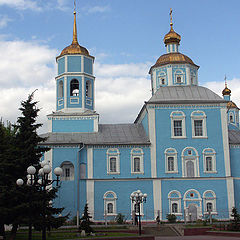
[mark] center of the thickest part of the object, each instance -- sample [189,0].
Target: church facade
[182,150]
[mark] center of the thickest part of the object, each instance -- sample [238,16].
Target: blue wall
[145,124]
[74,63]
[61,65]
[88,63]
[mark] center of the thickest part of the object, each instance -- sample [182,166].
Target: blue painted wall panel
[61,65]
[74,63]
[88,63]
[89,101]
[123,190]
[235,161]
[78,98]
[145,124]
[84,125]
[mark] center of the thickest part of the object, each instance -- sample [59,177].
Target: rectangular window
[67,172]
[113,166]
[198,127]
[177,124]
[170,164]
[136,164]
[209,166]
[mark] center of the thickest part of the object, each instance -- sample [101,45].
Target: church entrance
[192,212]
[190,168]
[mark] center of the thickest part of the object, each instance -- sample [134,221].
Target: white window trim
[177,200]
[173,154]
[204,125]
[209,200]
[212,154]
[233,118]
[112,200]
[178,117]
[113,152]
[140,155]
[194,158]
[162,75]
[65,165]
[179,73]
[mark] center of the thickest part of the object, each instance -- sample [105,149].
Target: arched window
[190,162]
[60,89]
[179,76]
[209,160]
[174,198]
[88,89]
[209,202]
[113,161]
[199,127]
[162,78]
[110,203]
[171,160]
[68,171]
[178,124]
[74,87]
[231,117]
[137,161]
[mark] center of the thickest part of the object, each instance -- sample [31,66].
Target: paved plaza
[203,237]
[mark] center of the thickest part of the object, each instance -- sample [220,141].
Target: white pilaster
[90,162]
[95,124]
[230,193]
[152,136]
[157,197]
[169,75]
[90,196]
[49,124]
[188,76]
[65,92]
[83,92]
[225,141]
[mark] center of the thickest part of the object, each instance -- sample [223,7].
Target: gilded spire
[226,90]
[75,41]
[225,79]
[171,23]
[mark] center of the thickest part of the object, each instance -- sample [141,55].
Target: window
[209,160]
[88,89]
[162,78]
[137,161]
[231,117]
[74,87]
[60,89]
[113,161]
[110,203]
[179,76]
[178,124]
[209,202]
[174,199]
[113,164]
[171,160]
[190,162]
[162,81]
[179,79]
[68,171]
[199,128]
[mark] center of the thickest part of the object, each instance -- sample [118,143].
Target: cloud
[233,84]
[4,20]
[96,9]
[21,4]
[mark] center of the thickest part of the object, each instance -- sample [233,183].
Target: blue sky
[126,37]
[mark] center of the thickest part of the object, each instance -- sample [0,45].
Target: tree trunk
[13,231]
[2,230]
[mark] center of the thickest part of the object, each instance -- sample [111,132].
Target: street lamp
[40,179]
[138,197]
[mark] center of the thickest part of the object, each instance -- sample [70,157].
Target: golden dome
[226,91]
[172,37]
[74,48]
[174,57]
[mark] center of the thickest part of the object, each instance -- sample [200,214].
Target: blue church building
[183,149]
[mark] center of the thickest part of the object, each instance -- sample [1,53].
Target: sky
[126,39]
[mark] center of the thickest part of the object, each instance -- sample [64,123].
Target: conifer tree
[85,221]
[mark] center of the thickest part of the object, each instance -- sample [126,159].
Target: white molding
[209,154]
[171,154]
[113,152]
[204,124]
[152,137]
[177,117]
[49,124]
[177,200]
[211,200]
[188,76]
[65,92]
[90,197]
[90,162]
[169,74]
[157,197]
[108,200]
[95,124]
[66,64]
[140,156]
[230,195]
[225,141]
[83,92]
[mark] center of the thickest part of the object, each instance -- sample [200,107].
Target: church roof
[108,134]
[185,94]
[234,136]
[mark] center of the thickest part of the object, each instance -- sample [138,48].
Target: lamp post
[40,179]
[138,197]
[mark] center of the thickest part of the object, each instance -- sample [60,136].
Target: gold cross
[170,16]
[225,78]
[74,5]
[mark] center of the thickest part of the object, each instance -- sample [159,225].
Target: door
[190,168]
[192,212]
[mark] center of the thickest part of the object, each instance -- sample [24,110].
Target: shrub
[171,218]
[120,218]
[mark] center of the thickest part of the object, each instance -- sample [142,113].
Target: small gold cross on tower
[74,5]
[170,17]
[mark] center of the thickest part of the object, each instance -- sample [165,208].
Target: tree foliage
[85,221]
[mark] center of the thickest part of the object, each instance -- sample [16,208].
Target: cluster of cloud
[21,4]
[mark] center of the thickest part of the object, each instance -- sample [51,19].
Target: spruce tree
[85,221]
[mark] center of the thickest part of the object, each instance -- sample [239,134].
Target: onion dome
[74,48]
[172,36]
[176,57]
[226,91]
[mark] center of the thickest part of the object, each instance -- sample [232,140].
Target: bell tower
[75,85]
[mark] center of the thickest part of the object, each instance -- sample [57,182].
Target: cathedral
[182,150]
